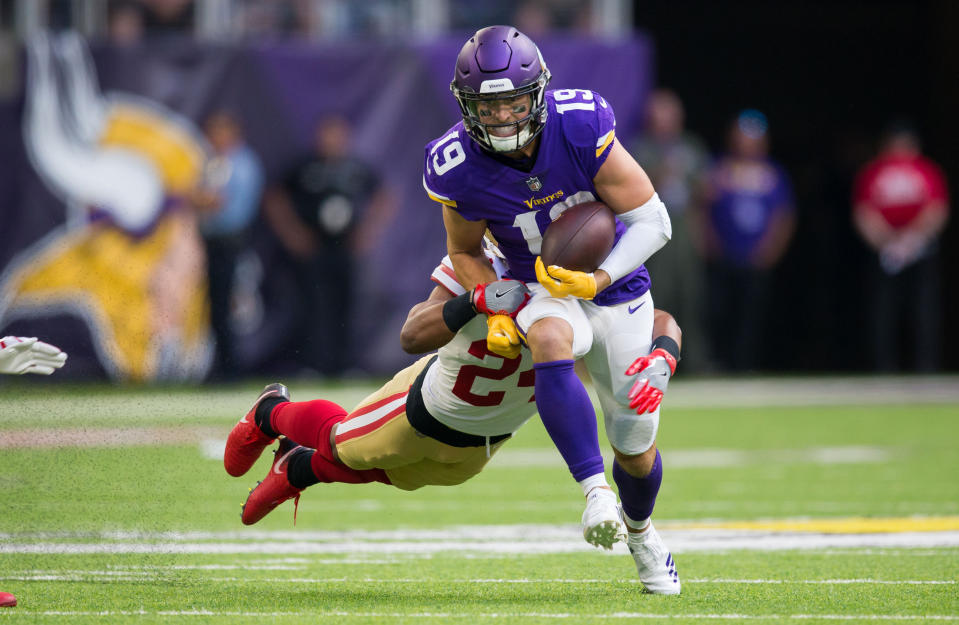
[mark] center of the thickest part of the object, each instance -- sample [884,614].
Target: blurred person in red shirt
[900,207]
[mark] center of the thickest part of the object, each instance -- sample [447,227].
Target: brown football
[581,238]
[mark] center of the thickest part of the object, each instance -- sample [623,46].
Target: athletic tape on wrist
[668,345]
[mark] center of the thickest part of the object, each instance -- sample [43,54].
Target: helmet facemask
[526,129]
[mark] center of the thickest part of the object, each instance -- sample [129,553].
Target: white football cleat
[657,570]
[602,523]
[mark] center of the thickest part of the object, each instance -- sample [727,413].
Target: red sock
[307,423]
[328,470]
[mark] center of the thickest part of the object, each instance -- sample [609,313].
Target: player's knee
[550,339]
[639,465]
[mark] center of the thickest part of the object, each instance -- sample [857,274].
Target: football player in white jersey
[437,422]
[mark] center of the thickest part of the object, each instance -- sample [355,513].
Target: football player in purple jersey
[521,156]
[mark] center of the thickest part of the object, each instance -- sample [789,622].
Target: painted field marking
[494,615]
[517,531]
[497,539]
[48,438]
[852,525]
[120,576]
[492,540]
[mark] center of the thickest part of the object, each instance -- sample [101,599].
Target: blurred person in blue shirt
[750,222]
[227,202]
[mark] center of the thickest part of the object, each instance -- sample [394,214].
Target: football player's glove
[502,297]
[654,371]
[502,337]
[562,282]
[19,354]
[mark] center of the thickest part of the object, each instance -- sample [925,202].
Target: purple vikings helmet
[497,63]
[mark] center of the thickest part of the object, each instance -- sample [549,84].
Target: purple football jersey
[519,205]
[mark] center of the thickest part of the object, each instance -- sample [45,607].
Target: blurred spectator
[128,21]
[751,219]
[274,19]
[125,23]
[542,17]
[227,203]
[676,162]
[168,17]
[329,210]
[534,18]
[900,207]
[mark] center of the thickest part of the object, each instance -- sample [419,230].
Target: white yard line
[120,576]
[123,437]
[487,540]
[494,615]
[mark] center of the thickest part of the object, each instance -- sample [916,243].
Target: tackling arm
[424,329]
[664,324]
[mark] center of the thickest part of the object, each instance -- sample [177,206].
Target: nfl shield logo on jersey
[533,183]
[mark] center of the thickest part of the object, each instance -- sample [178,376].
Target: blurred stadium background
[829,76]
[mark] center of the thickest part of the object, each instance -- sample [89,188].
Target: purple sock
[638,494]
[567,412]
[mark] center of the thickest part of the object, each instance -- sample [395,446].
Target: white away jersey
[469,388]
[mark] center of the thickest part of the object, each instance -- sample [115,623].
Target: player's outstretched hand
[19,354]
[502,297]
[502,337]
[562,282]
[654,371]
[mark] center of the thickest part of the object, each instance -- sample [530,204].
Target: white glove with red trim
[20,354]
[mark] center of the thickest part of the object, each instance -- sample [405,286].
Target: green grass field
[780,505]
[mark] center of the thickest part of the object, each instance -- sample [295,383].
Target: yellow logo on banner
[135,277]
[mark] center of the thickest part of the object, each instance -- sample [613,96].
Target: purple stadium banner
[100,143]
